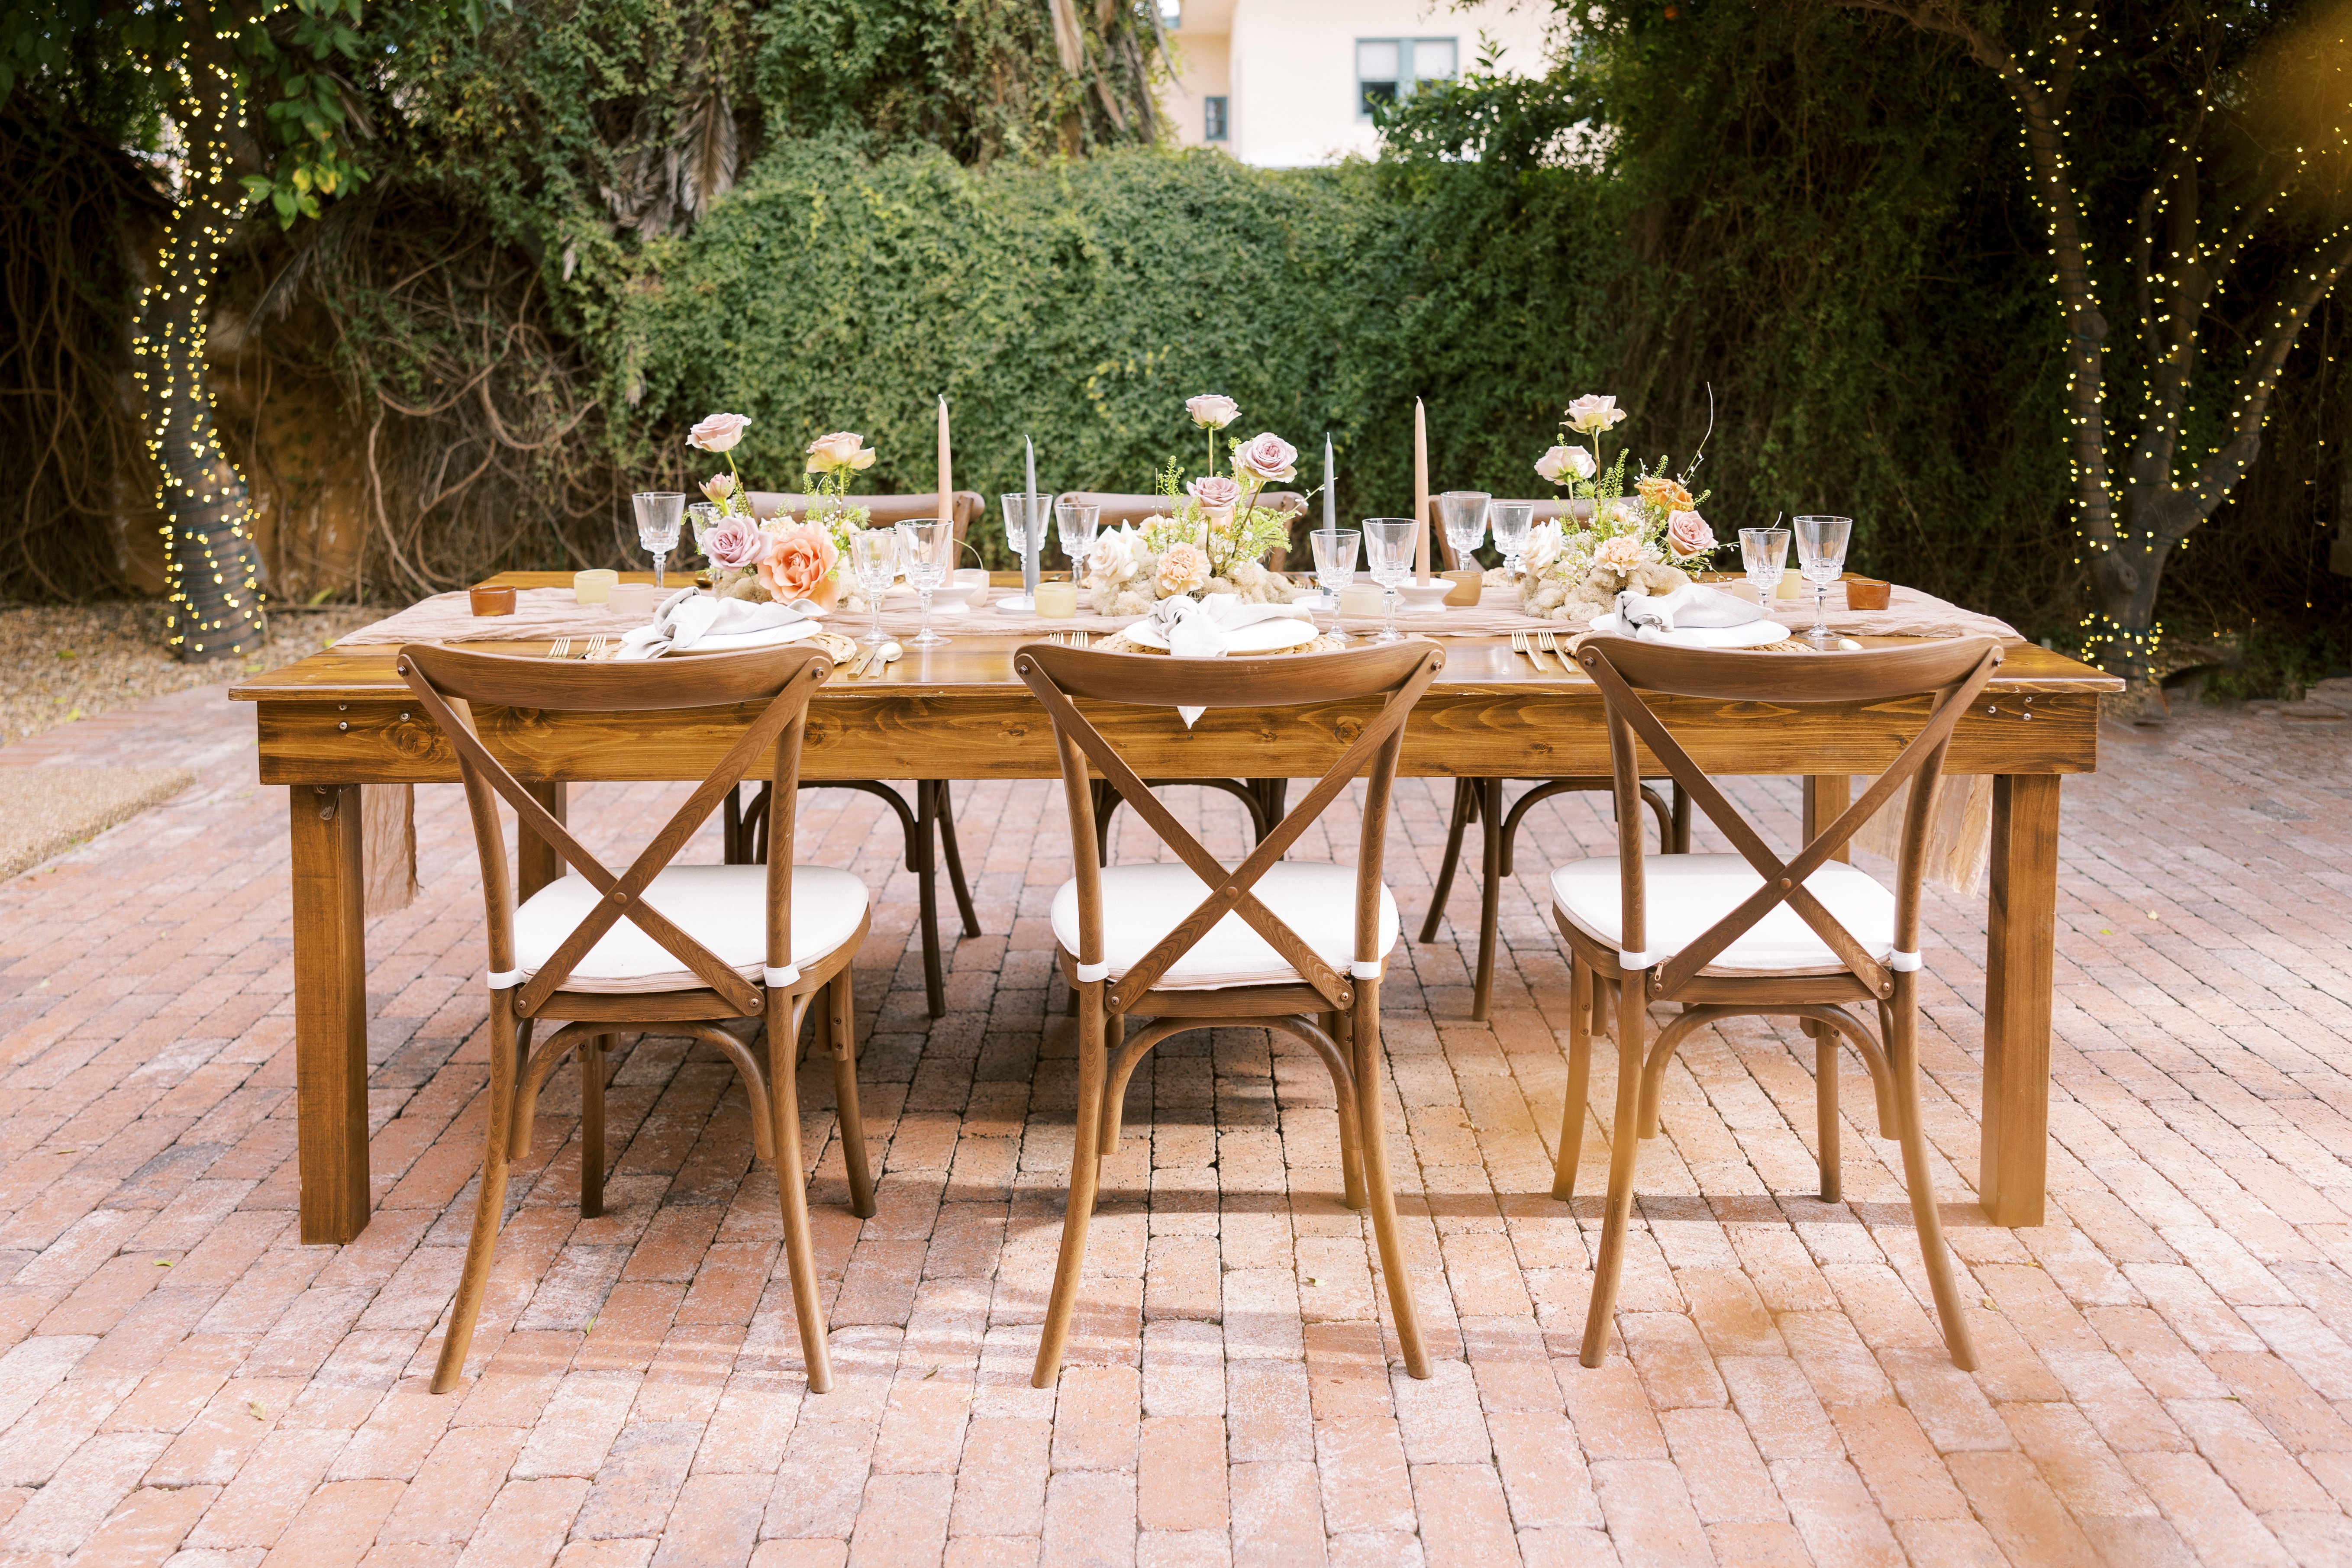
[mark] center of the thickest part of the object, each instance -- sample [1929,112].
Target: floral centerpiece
[1214,536]
[1643,541]
[782,557]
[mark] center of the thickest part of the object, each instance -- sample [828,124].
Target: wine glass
[660,514]
[1820,559]
[1764,555]
[1464,512]
[1025,515]
[704,517]
[1335,566]
[927,551]
[1513,520]
[1389,543]
[874,562]
[1076,521]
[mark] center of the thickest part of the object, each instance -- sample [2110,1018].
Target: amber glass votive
[1866,593]
[491,599]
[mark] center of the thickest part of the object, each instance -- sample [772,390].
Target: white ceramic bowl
[1422,597]
[972,582]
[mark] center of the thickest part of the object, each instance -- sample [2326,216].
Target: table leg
[2019,956]
[329,1011]
[536,862]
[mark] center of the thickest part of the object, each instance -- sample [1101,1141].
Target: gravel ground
[65,662]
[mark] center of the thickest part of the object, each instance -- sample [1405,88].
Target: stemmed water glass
[1764,556]
[1389,544]
[1076,521]
[874,562]
[927,551]
[660,514]
[1335,566]
[1512,520]
[1820,559]
[1025,530]
[704,517]
[1464,512]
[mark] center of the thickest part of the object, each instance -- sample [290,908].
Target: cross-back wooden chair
[657,947]
[1480,801]
[927,826]
[1292,947]
[1752,934]
[1262,798]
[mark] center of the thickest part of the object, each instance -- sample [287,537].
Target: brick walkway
[2166,1373]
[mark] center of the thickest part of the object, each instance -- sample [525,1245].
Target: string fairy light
[212,572]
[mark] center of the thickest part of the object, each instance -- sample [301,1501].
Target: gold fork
[1521,644]
[1546,641]
[559,648]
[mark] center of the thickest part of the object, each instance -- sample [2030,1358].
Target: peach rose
[1212,411]
[1687,534]
[842,449]
[1623,554]
[800,556]
[1184,569]
[718,432]
[1663,493]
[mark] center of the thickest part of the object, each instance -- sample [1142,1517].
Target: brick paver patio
[2167,1380]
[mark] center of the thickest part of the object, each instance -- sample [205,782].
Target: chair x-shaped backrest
[779,725]
[1919,762]
[1378,742]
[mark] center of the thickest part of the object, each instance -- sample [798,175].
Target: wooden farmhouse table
[341,719]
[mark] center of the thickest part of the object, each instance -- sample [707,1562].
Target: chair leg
[1681,819]
[1114,1106]
[792,1190]
[1490,892]
[1825,1109]
[592,1127]
[1903,1066]
[1086,1164]
[489,1206]
[840,1031]
[1624,1149]
[954,860]
[1365,1033]
[1465,802]
[1581,983]
[1351,1125]
[923,855]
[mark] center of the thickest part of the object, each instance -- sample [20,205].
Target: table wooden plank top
[960,712]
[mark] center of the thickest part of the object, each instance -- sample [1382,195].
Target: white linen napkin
[1203,628]
[1691,607]
[689,618]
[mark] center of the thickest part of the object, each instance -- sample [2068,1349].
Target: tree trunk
[213,573]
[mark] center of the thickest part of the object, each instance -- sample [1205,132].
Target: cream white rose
[842,449]
[1562,463]
[1591,413]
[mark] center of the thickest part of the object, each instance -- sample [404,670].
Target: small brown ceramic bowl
[1865,594]
[493,600]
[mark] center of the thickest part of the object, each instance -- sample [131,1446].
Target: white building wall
[1288,67]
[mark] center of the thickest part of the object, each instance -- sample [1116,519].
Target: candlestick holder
[1026,516]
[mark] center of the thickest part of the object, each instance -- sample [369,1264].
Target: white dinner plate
[1755,634]
[768,636]
[1270,635]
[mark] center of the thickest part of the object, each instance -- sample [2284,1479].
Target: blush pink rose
[718,432]
[1593,413]
[1687,534]
[801,557]
[1212,411]
[719,487]
[1216,492]
[734,543]
[1267,457]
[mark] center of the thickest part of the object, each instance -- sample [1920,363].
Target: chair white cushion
[1142,903]
[1687,894]
[724,907]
